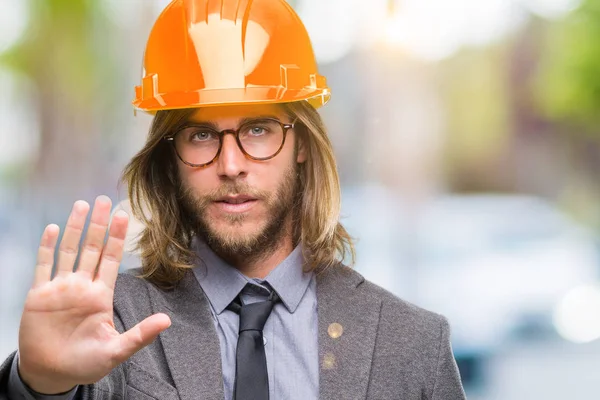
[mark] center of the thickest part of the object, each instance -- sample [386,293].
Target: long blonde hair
[165,243]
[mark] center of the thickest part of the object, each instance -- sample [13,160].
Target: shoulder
[133,295]
[407,326]
[131,282]
[411,344]
[400,310]
[396,314]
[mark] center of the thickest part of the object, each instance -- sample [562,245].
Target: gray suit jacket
[388,349]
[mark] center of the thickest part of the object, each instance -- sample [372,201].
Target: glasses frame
[236,133]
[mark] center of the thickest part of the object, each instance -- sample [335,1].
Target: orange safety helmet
[216,52]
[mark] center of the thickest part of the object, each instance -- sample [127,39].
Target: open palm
[67,335]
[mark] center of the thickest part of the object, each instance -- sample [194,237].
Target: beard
[233,244]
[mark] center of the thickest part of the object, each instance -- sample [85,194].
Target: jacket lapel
[348,324]
[191,344]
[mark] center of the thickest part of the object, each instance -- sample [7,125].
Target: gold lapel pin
[335,330]
[329,361]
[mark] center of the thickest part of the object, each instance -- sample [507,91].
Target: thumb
[140,336]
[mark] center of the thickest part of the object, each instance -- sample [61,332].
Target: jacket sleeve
[111,386]
[5,370]
[17,389]
[448,385]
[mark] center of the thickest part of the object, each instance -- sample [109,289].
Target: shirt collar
[222,283]
[289,280]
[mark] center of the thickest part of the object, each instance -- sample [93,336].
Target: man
[241,293]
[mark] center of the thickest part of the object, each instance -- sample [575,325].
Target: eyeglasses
[198,145]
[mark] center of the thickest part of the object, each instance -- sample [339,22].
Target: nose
[232,163]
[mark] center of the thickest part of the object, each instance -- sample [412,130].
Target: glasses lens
[261,138]
[197,145]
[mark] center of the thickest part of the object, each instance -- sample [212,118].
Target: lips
[238,199]
[236,204]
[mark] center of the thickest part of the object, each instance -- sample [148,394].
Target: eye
[257,130]
[201,135]
[261,128]
[198,134]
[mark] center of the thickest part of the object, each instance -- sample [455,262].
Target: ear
[302,152]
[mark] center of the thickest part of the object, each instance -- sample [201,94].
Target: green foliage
[58,49]
[569,79]
[474,90]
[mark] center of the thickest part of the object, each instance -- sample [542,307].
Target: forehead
[218,114]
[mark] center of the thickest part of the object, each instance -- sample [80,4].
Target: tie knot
[254,316]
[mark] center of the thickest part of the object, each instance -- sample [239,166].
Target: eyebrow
[241,122]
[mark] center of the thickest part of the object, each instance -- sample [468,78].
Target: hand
[67,336]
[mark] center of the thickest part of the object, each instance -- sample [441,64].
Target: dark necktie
[251,377]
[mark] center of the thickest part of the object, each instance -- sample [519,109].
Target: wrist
[42,384]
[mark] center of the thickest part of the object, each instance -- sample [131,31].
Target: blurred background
[468,139]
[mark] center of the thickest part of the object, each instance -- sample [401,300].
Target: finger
[140,336]
[113,250]
[45,257]
[94,238]
[69,245]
